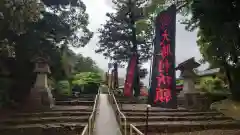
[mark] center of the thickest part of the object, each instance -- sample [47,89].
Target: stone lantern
[191,97]
[42,70]
[188,75]
[41,95]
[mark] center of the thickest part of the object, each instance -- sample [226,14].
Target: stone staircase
[85,100]
[127,100]
[179,121]
[66,118]
[75,102]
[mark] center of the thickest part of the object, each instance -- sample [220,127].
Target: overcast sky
[186,46]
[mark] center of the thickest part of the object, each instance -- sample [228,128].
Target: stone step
[200,132]
[181,126]
[160,110]
[56,109]
[141,113]
[85,108]
[75,102]
[80,99]
[86,98]
[130,102]
[133,119]
[87,95]
[52,114]
[65,128]
[42,120]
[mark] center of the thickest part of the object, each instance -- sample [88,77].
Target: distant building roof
[208,72]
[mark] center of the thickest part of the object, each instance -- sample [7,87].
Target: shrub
[63,88]
[88,80]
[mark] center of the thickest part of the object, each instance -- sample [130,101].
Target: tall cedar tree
[115,40]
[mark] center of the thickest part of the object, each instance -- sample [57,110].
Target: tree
[14,17]
[16,14]
[91,81]
[86,64]
[87,77]
[77,62]
[59,25]
[218,34]
[116,36]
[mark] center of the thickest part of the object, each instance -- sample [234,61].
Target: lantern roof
[188,64]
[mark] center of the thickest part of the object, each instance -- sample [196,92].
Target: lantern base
[195,101]
[41,98]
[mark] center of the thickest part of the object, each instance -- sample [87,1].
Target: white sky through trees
[186,46]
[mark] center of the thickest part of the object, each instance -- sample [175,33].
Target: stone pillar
[189,97]
[188,82]
[41,96]
[189,94]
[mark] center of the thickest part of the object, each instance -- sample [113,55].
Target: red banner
[163,84]
[128,85]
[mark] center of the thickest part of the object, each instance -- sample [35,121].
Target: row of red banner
[163,79]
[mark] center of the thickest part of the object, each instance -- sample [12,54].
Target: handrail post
[85,130]
[89,127]
[125,126]
[133,128]
[131,132]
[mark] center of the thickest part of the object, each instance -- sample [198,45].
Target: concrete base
[41,98]
[194,101]
[191,100]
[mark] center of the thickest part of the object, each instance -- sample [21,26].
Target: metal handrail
[121,115]
[85,130]
[91,120]
[88,129]
[133,128]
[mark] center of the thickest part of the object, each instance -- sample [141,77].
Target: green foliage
[116,40]
[63,88]
[86,64]
[89,81]
[77,63]
[14,15]
[116,36]
[217,23]
[30,27]
[218,36]
[206,85]
[86,78]
[212,85]
[179,82]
